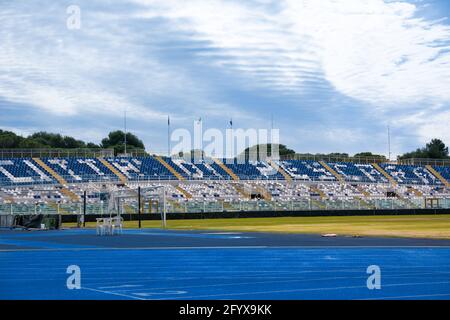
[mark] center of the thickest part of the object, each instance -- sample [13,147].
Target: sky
[332,74]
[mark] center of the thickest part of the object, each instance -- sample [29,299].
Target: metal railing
[305,204]
[55,153]
[424,162]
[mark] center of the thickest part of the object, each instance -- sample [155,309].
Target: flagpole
[125,127]
[168,136]
[232,145]
[389,141]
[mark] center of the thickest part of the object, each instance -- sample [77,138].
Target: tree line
[46,140]
[435,149]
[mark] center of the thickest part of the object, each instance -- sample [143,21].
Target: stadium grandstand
[66,183]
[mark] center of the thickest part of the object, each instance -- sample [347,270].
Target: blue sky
[334,73]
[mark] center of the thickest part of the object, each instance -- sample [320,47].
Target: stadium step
[265,193]
[70,194]
[318,191]
[407,201]
[119,175]
[416,192]
[239,188]
[169,167]
[51,171]
[57,208]
[364,203]
[58,178]
[364,192]
[438,175]
[318,204]
[184,192]
[280,169]
[226,169]
[384,173]
[332,171]
[128,209]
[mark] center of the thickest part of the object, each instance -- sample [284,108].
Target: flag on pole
[231,122]
[168,120]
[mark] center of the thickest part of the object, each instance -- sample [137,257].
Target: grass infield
[411,226]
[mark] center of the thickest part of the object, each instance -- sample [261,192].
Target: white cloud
[371,50]
[378,52]
[428,124]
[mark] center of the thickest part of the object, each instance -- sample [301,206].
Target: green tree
[370,155]
[9,140]
[256,149]
[40,140]
[116,140]
[435,149]
[55,140]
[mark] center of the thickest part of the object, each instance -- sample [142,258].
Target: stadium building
[76,184]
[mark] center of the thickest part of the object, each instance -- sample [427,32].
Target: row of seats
[406,174]
[355,172]
[228,191]
[78,170]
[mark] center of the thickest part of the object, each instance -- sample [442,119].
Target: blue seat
[307,170]
[409,174]
[22,171]
[358,172]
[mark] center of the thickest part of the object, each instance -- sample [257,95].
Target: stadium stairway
[73,196]
[438,175]
[318,191]
[226,169]
[332,171]
[241,189]
[119,175]
[169,167]
[364,203]
[286,176]
[416,192]
[384,173]
[57,208]
[184,192]
[264,193]
[364,192]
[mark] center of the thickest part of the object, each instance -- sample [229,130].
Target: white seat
[117,224]
[103,226]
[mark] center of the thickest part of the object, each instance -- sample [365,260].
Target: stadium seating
[22,171]
[409,174]
[79,169]
[205,169]
[306,170]
[252,170]
[208,180]
[443,171]
[358,172]
[141,168]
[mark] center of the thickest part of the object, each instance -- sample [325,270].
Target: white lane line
[405,247]
[308,289]
[136,248]
[411,296]
[290,280]
[123,286]
[113,293]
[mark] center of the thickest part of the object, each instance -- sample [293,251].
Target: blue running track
[160,264]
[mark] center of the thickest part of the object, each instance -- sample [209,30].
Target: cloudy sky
[334,73]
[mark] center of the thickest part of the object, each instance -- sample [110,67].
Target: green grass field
[417,226]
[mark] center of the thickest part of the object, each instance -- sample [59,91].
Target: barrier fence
[148,207]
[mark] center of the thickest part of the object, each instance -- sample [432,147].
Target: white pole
[125,126]
[389,142]
[164,207]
